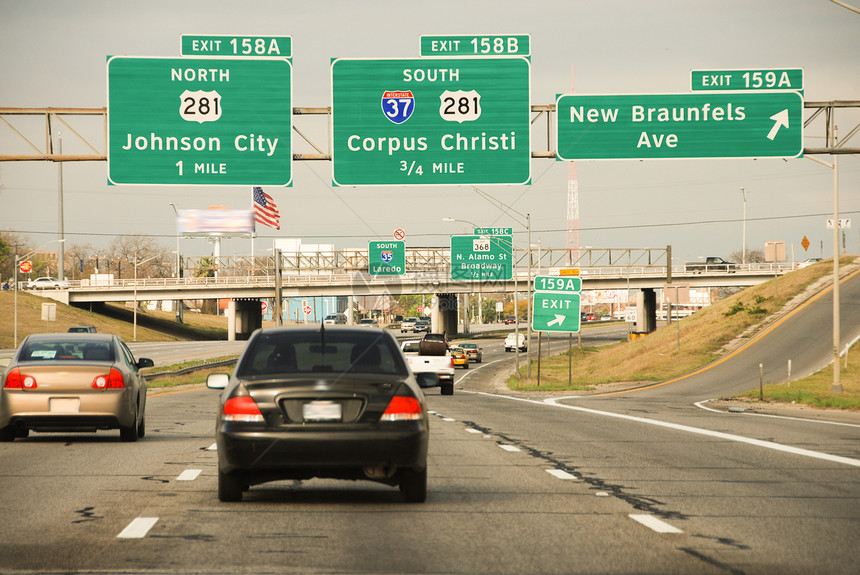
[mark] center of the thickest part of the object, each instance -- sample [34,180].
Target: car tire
[128,434]
[466,365]
[413,484]
[141,427]
[7,434]
[447,389]
[229,487]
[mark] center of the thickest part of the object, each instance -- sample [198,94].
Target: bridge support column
[646,303]
[466,323]
[243,317]
[444,314]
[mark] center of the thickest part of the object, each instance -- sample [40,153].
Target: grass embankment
[196,326]
[704,337]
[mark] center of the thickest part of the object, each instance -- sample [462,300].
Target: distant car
[47,283]
[408,324]
[808,262]
[422,325]
[606,317]
[474,351]
[335,318]
[460,357]
[368,322]
[512,343]
[510,319]
[83,329]
[308,402]
[73,382]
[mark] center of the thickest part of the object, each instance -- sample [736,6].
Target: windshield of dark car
[324,351]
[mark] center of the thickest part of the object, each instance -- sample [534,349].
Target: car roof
[65,336]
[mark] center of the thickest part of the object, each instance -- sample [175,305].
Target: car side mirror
[145,362]
[217,380]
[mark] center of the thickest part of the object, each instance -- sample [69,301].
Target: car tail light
[242,409]
[14,380]
[402,408]
[112,380]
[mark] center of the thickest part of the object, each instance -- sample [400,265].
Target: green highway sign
[386,258]
[430,121]
[481,258]
[237,46]
[199,121]
[493,45]
[696,125]
[555,311]
[738,80]
[558,283]
[493,231]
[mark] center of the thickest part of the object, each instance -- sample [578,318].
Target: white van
[335,318]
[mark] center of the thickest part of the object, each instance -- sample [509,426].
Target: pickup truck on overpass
[711,264]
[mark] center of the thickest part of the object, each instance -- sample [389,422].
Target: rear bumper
[100,410]
[323,453]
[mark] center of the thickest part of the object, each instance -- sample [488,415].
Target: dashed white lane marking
[473,430]
[655,524]
[449,419]
[561,474]
[138,528]
[189,475]
[213,447]
[511,448]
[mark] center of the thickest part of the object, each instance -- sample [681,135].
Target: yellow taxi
[460,357]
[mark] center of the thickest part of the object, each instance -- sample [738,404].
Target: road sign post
[386,258]
[697,125]
[481,258]
[430,121]
[556,303]
[199,121]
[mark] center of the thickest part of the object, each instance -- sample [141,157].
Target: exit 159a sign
[696,125]
[431,121]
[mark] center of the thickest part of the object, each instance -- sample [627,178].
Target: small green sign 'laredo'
[480,258]
[430,121]
[697,125]
[386,258]
[199,121]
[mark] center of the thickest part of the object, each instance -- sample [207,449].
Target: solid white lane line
[701,405]
[553,402]
[189,475]
[561,474]
[655,524]
[511,448]
[138,528]
[213,447]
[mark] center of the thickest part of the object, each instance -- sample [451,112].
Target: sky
[54,55]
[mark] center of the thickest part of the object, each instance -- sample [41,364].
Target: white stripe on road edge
[678,427]
[561,474]
[510,448]
[213,447]
[189,475]
[655,524]
[138,528]
[701,405]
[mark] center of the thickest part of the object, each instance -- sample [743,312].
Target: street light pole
[136,263]
[18,260]
[177,303]
[744,240]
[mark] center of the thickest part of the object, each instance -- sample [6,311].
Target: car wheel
[22,432]
[141,427]
[229,487]
[413,484]
[128,434]
[466,365]
[447,389]
[7,434]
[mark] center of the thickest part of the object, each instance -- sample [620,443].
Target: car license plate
[65,404]
[322,411]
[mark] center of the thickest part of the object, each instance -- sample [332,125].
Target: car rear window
[66,350]
[303,352]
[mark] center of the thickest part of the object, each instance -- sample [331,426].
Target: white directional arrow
[780,119]
[559,319]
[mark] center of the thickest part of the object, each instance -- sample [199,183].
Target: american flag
[265,209]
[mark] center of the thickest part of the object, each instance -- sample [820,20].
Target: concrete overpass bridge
[246,281]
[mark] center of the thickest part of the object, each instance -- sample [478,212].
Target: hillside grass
[702,338]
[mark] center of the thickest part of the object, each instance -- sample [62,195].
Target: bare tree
[125,250]
[753,256]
